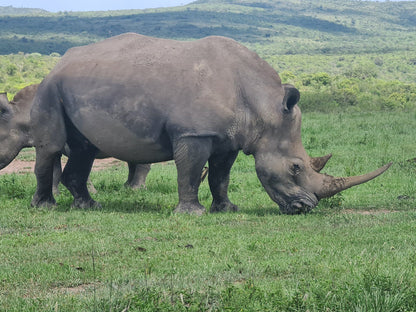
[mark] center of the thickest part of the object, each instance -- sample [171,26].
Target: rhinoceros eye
[296,169]
[4,113]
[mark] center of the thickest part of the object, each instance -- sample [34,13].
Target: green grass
[354,252]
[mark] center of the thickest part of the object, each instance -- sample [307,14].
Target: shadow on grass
[137,205]
[114,205]
[128,206]
[261,211]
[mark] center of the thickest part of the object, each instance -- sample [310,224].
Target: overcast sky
[92,5]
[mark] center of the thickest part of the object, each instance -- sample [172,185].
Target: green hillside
[10,10]
[340,53]
[285,27]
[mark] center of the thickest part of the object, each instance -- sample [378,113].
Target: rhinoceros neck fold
[247,129]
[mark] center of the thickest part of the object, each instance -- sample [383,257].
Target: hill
[285,27]
[10,10]
[339,53]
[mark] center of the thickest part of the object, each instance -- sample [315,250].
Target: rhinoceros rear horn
[332,185]
[318,163]
[291,98]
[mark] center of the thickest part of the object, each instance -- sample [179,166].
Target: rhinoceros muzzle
[300,205]
[295,204]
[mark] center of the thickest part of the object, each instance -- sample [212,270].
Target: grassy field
[354,252]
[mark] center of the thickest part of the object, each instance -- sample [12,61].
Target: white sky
[92,5]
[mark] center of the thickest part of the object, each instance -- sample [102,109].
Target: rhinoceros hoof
[190,208]
[89,204]
[223,207]
[42,202]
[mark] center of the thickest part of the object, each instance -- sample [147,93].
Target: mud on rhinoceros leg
[190,154]
[219,178]
[75,176]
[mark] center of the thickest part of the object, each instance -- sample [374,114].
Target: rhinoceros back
[133,90]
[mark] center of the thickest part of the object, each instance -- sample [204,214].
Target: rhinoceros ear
[291,97]
[4,101]
[3,97]
[4,107]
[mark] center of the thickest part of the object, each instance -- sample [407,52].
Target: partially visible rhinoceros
[15,135]
[143,100]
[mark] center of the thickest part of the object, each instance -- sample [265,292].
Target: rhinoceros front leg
[137,175]
[219,178]
[75,176]
[190,154]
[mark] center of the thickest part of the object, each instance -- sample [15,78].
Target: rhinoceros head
[14,124]
[289,175]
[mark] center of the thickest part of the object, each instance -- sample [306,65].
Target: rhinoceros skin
[15,135]
[143,100]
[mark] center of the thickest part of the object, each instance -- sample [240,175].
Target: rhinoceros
[144,99]
[15,135]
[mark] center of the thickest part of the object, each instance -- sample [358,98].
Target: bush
[345,92]
[362,71]
[317,101]
[317,80]
[11,69]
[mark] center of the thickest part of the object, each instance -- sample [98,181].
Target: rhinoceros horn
[318,163]
[332,185]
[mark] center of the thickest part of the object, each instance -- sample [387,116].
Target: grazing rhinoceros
[143,99]
[15,134]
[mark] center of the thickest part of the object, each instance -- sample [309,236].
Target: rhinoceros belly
[116,138]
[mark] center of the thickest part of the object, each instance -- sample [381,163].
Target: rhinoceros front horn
[332,185]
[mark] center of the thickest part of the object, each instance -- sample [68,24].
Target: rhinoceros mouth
[299,205]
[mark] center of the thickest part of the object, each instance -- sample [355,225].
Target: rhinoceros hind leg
[190,154]
[219,178]
[75,176]
[137,175]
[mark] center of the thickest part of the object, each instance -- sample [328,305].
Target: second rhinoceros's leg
[44,175]
[137,175]
[190,154]
[219,178]
[49,136]
[75,176]
[57,172]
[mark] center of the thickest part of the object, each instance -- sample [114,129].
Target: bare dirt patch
[27,166]
[74,290]
[368,212]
